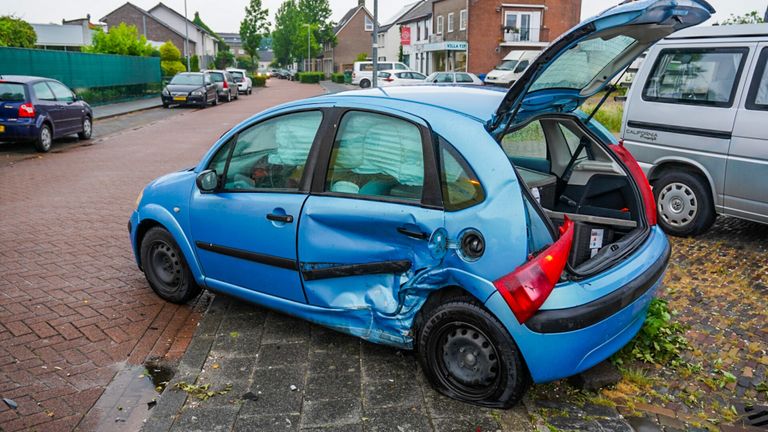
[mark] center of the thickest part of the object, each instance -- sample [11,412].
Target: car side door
[72,113]
[245,231]
[45,103]
[748,154]
[374,219]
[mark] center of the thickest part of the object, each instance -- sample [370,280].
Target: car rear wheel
[44,139]
[229,97]
[237,95]
[365,83]
[468,355]
[87,129]
[165,268]
[684,203]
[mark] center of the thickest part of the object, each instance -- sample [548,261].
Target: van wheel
[468,355]
[165,268]
[684,203]
[44,139]
[365,83]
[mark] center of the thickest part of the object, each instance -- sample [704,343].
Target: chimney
[360,3]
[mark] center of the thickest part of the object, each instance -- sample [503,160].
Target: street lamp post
[309,45]
[375,40]
[186,34]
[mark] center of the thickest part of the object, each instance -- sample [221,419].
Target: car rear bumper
[13,131]
[559,343]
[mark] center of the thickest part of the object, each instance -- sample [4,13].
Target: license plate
[179,98]
[2,128]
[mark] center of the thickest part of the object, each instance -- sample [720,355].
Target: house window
[381,40]
[418,31]
[450,22]
[440,25]
[463,19]
[368,23]
[522,26]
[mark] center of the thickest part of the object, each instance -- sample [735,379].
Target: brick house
[155,30]
[354,36]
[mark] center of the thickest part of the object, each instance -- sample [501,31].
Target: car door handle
[280,218]
[413,234]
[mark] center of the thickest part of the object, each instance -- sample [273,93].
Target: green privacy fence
[97,78]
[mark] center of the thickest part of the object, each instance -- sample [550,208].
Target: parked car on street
[505,241]
[362,73]
[39,110]
[244,82]
[511,68]
[394,77]
[695,120]
[225,85]
[459,78]
[190,88]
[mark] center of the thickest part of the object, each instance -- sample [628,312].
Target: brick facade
[352,39]
[149,26]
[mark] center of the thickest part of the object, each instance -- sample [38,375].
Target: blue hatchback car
[505,237]
[38,110]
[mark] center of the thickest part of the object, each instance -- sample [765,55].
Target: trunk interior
[568,173]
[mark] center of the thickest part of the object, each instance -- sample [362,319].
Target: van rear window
[12,92]
[696,76]
[758,91]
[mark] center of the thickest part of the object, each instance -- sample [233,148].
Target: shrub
[172,67]
[170,59]
[337,78]
[661,340]
[311,77]
[259,81]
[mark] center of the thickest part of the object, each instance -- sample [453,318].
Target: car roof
[722,31]
[23,78]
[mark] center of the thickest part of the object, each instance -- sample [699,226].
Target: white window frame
[463,19]
[534,27]
[439,25]
[451,22]
[368,24]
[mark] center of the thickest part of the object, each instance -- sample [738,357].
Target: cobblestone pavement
[74,309]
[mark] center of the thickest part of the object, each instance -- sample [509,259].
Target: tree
[287,23]
[15,32]
[199,22]
[253,27]
[224,59]
[749,18]
[170,59]
[123,40]
[300,43]
[245,62]
[318,14]
[194,63]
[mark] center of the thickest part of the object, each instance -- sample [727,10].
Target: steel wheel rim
[87,127]
[466,361]
[678,205]
[165,263]
[45,137]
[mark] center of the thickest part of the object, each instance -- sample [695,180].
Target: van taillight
[27,110]
[526,289]
[640,179]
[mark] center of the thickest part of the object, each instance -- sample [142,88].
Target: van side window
[758,90]
[696,76]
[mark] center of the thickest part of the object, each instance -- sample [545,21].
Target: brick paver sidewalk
[73,306]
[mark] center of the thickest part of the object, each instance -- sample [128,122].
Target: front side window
[400,66]
[696,76]
[61,92]
[444,78]
[43,92]
[758,91]
[375,155]
[272,154]
[418,76]
[450,22]
[460,186]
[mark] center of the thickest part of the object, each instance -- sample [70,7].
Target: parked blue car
[39,110]
[506,237]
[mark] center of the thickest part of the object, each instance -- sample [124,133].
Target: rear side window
[460,186]
[758,90]
[366,67]
[43,92]
[12,92]
[444,78]
[696,76]
[463,78]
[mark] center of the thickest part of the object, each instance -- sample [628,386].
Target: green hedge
[338,78]
[311,77]
[259,81]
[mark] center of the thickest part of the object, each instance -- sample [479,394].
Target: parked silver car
[696,121]
[226,85]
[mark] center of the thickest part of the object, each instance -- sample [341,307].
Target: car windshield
[507,65]
[12,92]
[188,79]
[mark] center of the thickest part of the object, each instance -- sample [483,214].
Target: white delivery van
[362,73]
[511,68]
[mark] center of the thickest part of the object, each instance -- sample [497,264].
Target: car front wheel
[44,139]
[165,268]
[684,203]
[468,355]
[87,129]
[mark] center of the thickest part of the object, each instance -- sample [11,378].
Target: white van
[695,120]
[362,73]
[511,68]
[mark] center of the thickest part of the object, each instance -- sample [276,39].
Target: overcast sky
[225,15]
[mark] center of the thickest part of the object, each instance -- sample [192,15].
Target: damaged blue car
[505,237]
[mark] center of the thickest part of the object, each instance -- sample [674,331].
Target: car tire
[166,268]
[165,105]
[468,355]
[250,91]
[365,83]
[684,204]
[87,129]
[229,97]
[215,101]
[44,139]
[237,95]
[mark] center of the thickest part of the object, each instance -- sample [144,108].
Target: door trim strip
[270,260]
[709,133]
[346,270]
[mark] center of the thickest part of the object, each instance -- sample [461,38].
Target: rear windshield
[217,77]
[185,79]
[238,76]
[12,92]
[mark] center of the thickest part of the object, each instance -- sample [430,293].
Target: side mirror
[207,181]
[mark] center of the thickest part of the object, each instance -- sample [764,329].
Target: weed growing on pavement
[660,340]
[202,392]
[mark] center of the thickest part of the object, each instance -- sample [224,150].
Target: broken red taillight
[526,289]
[640,179]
